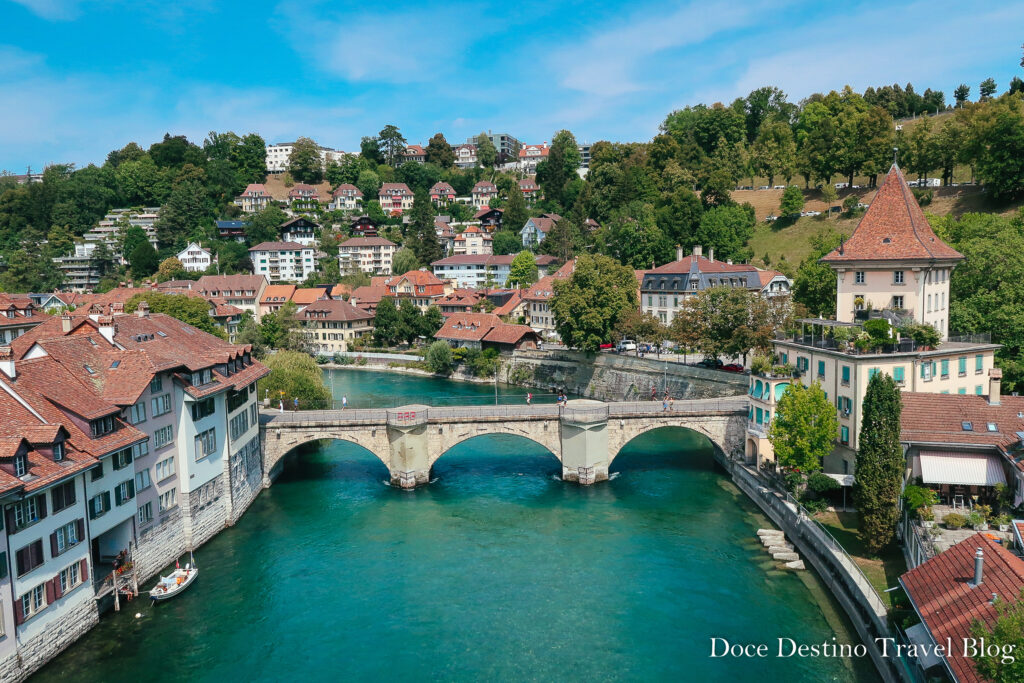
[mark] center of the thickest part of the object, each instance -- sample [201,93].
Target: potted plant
[954,520]
[863,342]
[1003,521]
[977,521]
[927,517]
[761,365]
[842,335]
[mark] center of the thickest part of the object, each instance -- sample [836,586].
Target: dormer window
[20,465]
[102,426]
[967,426]
[58,451]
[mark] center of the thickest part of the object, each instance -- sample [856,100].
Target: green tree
[439,358]
[523,270]
[563,240]
[920,154]
[792,202]
[880,463]
[987,89]
[829,195]
[403,261]
[815,283]
[515,215]
[369,149]
[439,152]
[431,321]
[410,321]
[281,329]
[387,323]
[265,225]
[563,160]
[368,183]
[506,242]
[997,143]
[304,163]
[144,260]
[589,304]
[1006,633]
[774,151]
[131,237]
[188,309]
[678,216]
[186,209]
[727,229]
[392,145]
[170,269]
[962,92]
[486,153]
[804,428]
[295,375]
[422,233]
[641,327]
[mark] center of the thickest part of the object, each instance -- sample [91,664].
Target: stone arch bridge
[584,435]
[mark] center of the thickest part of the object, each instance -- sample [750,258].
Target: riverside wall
[608,377]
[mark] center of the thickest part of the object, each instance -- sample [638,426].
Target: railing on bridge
[589,412]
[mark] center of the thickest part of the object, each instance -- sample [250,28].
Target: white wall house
[282,261]
[195,258]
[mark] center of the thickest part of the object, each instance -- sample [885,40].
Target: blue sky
[79,78]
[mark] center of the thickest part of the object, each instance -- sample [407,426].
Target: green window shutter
[979,362]
[962,390]
[897,373]
[945,367]
[106,500]
[978,390]
[962,364]
[923,365]
[821,368]
[846,373]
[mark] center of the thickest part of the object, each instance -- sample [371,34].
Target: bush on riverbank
[294,374]
[439,358]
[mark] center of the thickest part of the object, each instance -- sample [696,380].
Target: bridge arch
[279,443]
[693,440]
[718,430]
[546,434]
[505,453]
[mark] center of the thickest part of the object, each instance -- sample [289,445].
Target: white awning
[841,479]
[961,469]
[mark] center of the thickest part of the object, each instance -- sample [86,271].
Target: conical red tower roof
[893,228]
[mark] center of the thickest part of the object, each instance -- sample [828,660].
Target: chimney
[65,323]
[711,254]
[698,250]
[7,361]
[679,253]
[143,310]
[979,568]
[106,327]
[995,381]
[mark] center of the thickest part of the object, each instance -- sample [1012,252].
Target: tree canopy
[590,303]
[880,463]
[804,428]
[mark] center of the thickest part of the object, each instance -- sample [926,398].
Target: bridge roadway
[584,435]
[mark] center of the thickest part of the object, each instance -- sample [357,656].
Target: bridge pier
[584,437]
[408,443]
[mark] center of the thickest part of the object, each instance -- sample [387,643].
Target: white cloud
[53,10]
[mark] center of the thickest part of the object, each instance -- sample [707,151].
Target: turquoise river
[496,571]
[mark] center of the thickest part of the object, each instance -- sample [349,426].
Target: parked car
[733,367]
[779,187]
[606,347]
[712,363]
[769,218]
[626,345]
[764,187]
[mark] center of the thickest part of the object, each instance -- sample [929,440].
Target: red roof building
[485,330]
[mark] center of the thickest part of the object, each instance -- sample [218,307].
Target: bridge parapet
[408,416]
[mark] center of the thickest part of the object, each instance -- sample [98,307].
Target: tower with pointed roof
[893,260]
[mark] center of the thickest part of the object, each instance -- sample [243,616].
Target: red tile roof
[347,190]
[442,187]
[941,592]
[482,327]
[893,228]
[278,294]
[367,242]
[278,246]
[307,295]
[334,310]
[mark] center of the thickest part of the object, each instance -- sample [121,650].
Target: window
[846,374]
[122,459]
[962,390]
[26,512]
[140,450]
[201,377]
[253,413]
[945,368]
[163,436]
[165,468]
[70,578]
[872,372]
[201,409]
[124,492]
[146,513]
[66,537]
[29,557]
[239,424]
[926,371]
[967,426]
[161,405]
[962,366]
[206,443]
[897,301]
[63,496]
[168,500]
[979,364]
[142,481]
[978,390]
[821,368]
[33,602]
[844,435]
[21,465]
[858,277]
[102,426]
[897,374]
[97,471]
[99,505]
[157,384]
[58,451]
[992,427]
[897,277]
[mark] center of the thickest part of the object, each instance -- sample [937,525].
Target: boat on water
[175,582]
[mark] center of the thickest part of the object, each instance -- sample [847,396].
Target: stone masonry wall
[160,545]
[205,518]
[617,378]
[58,635]
[244,491]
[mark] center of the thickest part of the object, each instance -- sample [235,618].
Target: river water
[495,571]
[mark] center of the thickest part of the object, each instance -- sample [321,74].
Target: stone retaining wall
[59,634]
[160,545]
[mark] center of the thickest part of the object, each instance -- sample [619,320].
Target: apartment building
[531,155]
[331,326]
[243,291]
[473,240]
[279,153]
[505,144]
[369,254]
[282,261]
[894,259]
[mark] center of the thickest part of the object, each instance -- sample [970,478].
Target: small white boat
[175,582]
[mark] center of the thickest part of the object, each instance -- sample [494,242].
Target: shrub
[794,481]
[1003,519]
[842,335]
[342,360]
[520,374]
[439,358]
[975,519]
[878,329]
[923,196]
[321,359]
[955,521]
[761,365]
[815,505]
[923,334]
[917,497]
[984,510]
[925,514]
[360,360]
[820,484]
